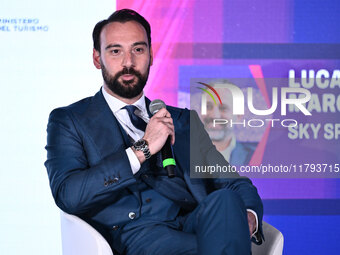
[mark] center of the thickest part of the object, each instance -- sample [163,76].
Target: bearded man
[103,162]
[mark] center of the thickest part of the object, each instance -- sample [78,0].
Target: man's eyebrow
[120,46]
[140,43]
[113,46]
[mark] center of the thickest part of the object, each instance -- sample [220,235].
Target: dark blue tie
[137,121]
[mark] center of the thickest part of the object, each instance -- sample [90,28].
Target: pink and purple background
[214,39]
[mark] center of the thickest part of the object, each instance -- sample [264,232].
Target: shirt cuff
[134,162]
[257,223]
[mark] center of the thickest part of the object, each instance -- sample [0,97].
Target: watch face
[142,145]
[139,143]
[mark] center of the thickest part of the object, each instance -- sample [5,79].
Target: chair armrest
[273,244]
[78,237]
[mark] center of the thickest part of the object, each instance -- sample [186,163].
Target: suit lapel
[102,126]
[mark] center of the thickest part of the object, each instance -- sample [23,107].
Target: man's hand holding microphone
[159,136]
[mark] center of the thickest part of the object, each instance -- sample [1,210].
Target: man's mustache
[208,120]
[130,70]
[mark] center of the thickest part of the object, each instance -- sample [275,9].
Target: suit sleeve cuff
[257,223]
[134,162]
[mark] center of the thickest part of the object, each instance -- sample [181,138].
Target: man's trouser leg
[220,225]
[160,240]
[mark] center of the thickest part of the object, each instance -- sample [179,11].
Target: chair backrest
[78,237]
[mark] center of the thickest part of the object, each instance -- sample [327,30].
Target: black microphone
[168,160]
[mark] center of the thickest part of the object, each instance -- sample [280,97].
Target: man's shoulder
[177,110]
[77,107]
[179,113]
[249,146]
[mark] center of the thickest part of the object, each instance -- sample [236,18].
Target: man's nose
[128,60]
[216,112]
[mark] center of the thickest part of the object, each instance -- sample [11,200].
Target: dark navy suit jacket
[90,174]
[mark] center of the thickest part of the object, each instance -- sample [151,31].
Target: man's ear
[96,59]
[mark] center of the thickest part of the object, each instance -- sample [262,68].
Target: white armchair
[273,245]
[78,237]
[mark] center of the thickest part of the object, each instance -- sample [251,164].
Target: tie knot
[137,121]
[131,109]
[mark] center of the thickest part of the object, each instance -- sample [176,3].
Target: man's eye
[223,107]
[139,50]
[115,51]
[210,106]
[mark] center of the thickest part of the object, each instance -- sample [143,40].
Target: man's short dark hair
[121,16]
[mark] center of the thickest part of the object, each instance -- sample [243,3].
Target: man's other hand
[251,223]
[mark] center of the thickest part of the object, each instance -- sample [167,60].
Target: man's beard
[127,89]
[216,134]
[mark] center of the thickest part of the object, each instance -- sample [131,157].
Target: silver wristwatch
[142,145]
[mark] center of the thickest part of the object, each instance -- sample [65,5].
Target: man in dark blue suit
[104,164]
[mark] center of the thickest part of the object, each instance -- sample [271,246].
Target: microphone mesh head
[156,105]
